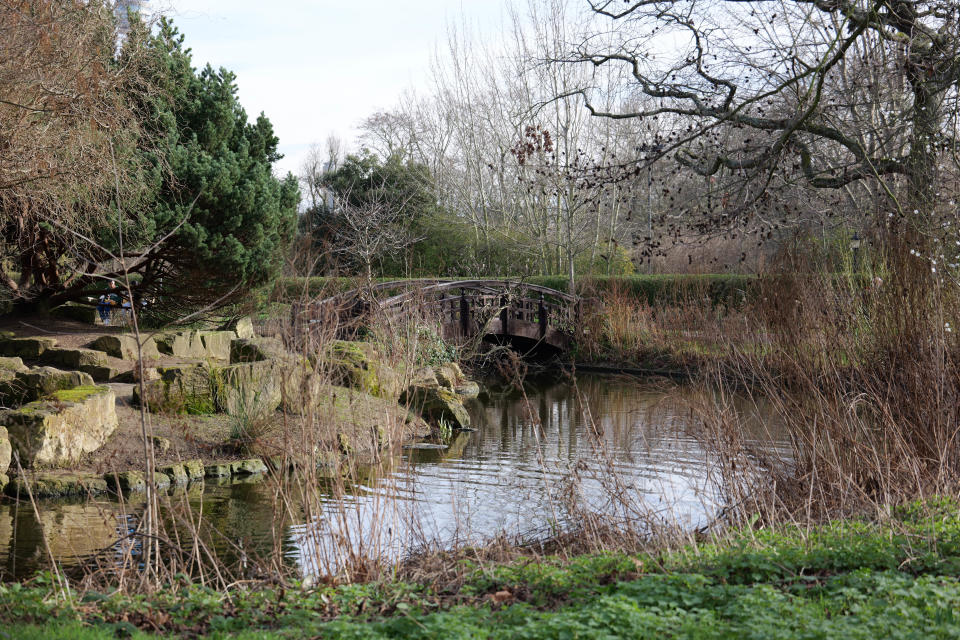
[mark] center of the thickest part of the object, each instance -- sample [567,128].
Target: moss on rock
[248,467]
[126,481]
[217,470]
[56,484]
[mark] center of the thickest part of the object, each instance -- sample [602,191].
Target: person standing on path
[108,300]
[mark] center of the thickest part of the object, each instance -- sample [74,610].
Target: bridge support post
[542,318]
[504,316]
[464,314]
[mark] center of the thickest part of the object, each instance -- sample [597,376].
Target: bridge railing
[466,307]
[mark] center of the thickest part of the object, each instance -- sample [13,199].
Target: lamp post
[855,247]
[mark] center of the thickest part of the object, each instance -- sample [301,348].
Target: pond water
[539,459]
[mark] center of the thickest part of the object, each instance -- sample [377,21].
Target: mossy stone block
[256,350]
[126,481]
[41,382]
[162,480]
[6,450]
[54,485]
[29,348]
[217,470]
[77,312]
[248,467]
[194,469]
[74,358]
[216,344]
[12,364]
[126,347]
[467,389]
[438,404]
[177,473]
[101,373]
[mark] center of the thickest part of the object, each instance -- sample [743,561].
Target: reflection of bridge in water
[464,309]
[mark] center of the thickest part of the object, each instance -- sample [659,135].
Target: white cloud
[320,67]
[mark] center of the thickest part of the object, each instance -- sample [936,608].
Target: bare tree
[64,128]
[367,232]
[755,88]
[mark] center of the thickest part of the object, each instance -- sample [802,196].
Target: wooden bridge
[464,309]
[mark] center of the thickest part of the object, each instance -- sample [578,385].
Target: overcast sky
[317,67]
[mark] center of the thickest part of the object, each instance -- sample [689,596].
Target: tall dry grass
[863,371]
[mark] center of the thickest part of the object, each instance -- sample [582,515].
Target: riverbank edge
[850,578]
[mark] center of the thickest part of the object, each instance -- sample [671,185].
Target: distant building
[123,9]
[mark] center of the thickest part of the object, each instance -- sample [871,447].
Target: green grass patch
[850,579]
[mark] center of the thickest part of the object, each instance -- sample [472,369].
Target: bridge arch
[465,309]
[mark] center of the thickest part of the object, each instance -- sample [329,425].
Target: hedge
[656,290]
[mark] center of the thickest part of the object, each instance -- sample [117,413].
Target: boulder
[448,377]
[195,469]
[358,365]
[39,382]
[10,389]
[161,480]
[180,344]
[176,472]
[196,344]
[257,350]
[248,389]
[248,467]
[101,374]
[63,427]
[217,470]
[11,365]
[29,348]
[467,389]
[258,388]
[160,444]
[125,346]
[361,423]
[437,404]
[216,344]
[77,312]
[126,481]
[6,450]
[243,327]
[133,375]
[180,389]
[74,358]
[56,484]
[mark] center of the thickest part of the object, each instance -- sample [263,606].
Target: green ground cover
[850,579]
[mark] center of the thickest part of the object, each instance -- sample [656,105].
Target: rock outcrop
[62,427]
[179,389]
[6,451]
[31,384]
[438,405]
[257,350]
[359,365]
[125,347]
[73,358]
[27,348]
[257,388]
[244,328]
[196,344]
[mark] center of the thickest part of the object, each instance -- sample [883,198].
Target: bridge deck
[464,309]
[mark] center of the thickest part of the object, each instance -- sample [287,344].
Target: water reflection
[611,445]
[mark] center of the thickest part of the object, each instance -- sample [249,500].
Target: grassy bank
[852,579]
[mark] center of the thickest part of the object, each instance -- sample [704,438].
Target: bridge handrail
[494,286]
